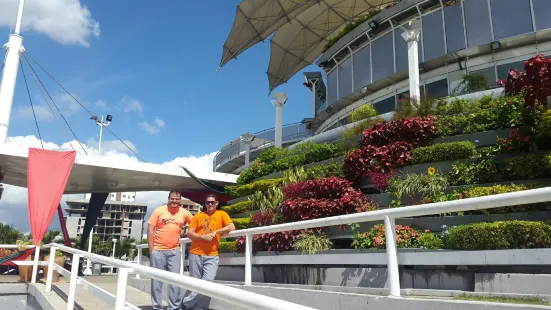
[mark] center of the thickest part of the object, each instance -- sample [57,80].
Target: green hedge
[236,191]
[227,247]
[498,236]
[443,152]
[243,223]
[236,208]
[303,154]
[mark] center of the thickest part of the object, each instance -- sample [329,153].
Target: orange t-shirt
[168,227]
[205,224]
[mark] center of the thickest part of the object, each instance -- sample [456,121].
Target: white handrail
[389,216]
[231,295]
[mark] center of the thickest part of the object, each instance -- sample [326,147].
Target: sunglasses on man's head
[210,202]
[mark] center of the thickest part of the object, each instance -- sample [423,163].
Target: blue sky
[151,62]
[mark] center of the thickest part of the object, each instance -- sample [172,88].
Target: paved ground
[85,300]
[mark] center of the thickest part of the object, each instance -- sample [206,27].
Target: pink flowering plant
[406,237]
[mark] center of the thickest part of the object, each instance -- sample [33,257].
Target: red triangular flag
[47,176]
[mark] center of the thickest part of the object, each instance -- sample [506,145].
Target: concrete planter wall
[419,269]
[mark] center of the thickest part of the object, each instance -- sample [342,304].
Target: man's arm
[226,229]
[150,237]
[191,234]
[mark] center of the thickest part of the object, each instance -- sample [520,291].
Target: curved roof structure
[299,43]
[255,20]
[301,29]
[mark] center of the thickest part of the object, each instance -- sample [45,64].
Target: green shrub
[227,247]
[498,236]
[237,208]
[527,167]
[236,191]
[415,186]
[478,172]
[443,152]
[271,153]
[430,241]
[243,223]
[363,112]
[311,243]
[333,169]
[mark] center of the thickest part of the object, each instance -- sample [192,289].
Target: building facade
[121,217]
[460,40]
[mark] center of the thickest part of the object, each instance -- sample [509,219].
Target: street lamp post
[412,37]
[101,124]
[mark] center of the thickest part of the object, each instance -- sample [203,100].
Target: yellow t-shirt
[205,224]
[168,224]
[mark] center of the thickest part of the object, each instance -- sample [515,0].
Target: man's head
[211,203]
[174,199]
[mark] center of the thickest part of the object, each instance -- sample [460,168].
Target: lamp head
[415,24]
[279,98]
[109,118]
[94,118]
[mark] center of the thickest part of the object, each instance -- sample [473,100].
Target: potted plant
[59,260]
[25,272]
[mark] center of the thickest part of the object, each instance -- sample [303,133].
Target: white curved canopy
[300,42]
[255,20]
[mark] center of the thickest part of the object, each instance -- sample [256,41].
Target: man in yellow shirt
[163,238]
[205,230]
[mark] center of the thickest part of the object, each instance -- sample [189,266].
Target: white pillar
[139,262]
[100,134]
[314,97]
[248,139]
[412,37]
[278,102]
[391,253]
[248,258]
[11,67]
[50,275]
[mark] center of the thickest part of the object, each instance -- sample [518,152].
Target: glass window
[383,57]
[455,35]
[507,25]
[433,38]
[332,84]
[437,89]
[489,75]
[345,78]
[401,50]
[477,20]
[385,106]
[362,68]
[542,11]
[503,70]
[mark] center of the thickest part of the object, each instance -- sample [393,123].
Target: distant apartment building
[121,217]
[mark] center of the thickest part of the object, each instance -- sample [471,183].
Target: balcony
[231,157]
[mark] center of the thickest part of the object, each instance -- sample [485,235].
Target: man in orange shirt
[205,230]
[163,238]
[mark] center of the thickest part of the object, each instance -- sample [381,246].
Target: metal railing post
[182,257]
[35,264]
[139,261]
[50,275]
[122,279]
[73,282]
[248,258]
[392,265]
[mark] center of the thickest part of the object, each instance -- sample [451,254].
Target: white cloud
[41,112]
[132,105]
[65,21]
[14,200]
[101,104]
[153,128]
[112,146]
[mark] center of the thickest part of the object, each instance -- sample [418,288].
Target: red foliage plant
[380,180]
[413,130]
[277,242]
[534,82]
[373,159]
[320,198]
[263,218]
